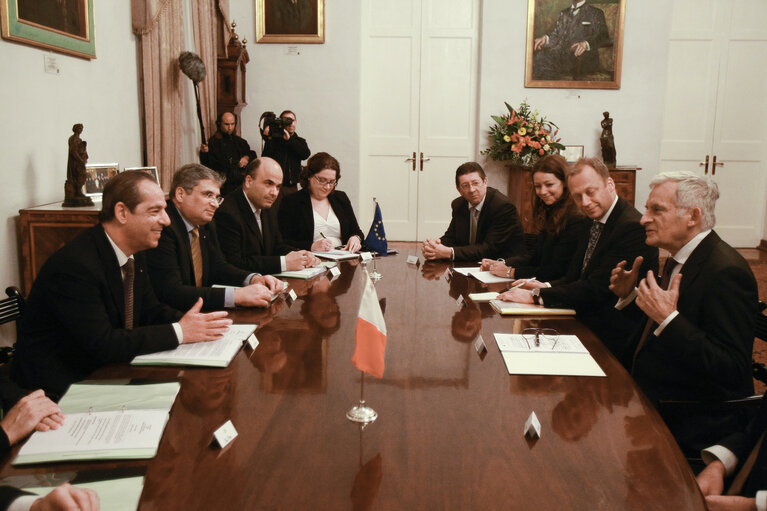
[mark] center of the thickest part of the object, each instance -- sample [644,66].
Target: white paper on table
[212,353]
[488,278]
[517,342]
[97,435]
[114,494]
[483,297]
[555,364]
[84,397]
[337,255]
[467,270]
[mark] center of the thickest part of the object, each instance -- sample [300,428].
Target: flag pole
[375,276]
[362,413]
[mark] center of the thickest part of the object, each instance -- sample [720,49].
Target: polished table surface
[450,422]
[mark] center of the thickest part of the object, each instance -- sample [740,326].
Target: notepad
[305,273]
[87,397]
[570,358]
[483,297]
[114,494]
[337,255]
[527,309]
[209,354]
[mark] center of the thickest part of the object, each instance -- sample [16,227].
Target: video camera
[275,124]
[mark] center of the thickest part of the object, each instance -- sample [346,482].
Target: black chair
[11,309]
[760,332]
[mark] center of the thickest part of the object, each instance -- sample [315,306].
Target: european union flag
[376,239]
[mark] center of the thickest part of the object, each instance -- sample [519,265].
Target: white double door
[419,100]
[715,117]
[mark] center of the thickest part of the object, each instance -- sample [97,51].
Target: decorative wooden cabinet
[521,190]
[45,229]
[230,92]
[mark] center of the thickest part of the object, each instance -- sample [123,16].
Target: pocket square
[585,23]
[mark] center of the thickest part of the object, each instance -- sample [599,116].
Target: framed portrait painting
[290,21]
[60,25]
[574,44]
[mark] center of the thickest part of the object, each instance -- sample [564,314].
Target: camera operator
[226,153]
[285,146]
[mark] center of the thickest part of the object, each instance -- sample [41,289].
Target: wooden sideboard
[42,230]
[521,190]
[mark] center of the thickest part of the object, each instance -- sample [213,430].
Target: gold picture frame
[549,60]
[290,21]
[70,29]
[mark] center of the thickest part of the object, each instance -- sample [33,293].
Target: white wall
[636,107]
[320,84]
[39,110]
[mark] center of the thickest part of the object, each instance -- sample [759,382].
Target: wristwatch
[536,293]
[508,272]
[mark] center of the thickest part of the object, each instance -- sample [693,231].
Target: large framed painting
[60,25]
[290,21]
[574,44]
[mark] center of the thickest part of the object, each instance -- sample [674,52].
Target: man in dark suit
[572,48]
[247,225]
[614,235]
[188,261]
[227,153]
[697,332]
[484,224]
[730,458]
[77,317]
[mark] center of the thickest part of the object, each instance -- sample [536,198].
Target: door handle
[412,159]
[715,165]
[705,165]
[423,160]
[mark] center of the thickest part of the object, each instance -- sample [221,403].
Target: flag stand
[375,276]
[362,413]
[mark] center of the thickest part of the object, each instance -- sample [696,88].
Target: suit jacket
[74,319]
[297,218]
[705,352]
[622,238]
[588,25]
[172,273]
[242,243]
[223,156]
[552,254]
[499,232]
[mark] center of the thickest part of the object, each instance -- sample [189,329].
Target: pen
[524,281]
[323,235]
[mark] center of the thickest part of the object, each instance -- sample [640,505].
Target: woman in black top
[319,217]
[558,222]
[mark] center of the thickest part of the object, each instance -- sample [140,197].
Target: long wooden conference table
[449,433]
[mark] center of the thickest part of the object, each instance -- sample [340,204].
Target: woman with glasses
[318,217]
[558,222]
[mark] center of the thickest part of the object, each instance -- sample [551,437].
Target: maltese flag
[370,346]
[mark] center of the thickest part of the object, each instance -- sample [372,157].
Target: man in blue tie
[696,337]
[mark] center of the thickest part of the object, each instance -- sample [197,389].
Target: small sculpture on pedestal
[78,157]
[607,141]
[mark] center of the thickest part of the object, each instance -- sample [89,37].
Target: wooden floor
[757,259]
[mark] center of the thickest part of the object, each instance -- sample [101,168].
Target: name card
[335,272]
[225,434]
[412,259]
[532,426]
[252,341]
[460,301]
[366,256]
[479,345]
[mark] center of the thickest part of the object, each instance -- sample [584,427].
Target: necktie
[745,471]
[129,268]
[665,279]
[196,257]
[594,233]
[473,216]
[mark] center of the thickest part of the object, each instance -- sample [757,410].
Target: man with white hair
[696,340]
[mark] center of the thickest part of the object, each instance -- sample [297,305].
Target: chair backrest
[11,309]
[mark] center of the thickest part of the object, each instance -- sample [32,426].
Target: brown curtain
[158,25]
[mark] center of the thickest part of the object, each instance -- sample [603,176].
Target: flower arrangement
[522,136]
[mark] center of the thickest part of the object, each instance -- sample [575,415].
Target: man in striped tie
[696,337]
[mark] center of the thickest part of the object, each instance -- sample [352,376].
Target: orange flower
[541,152]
